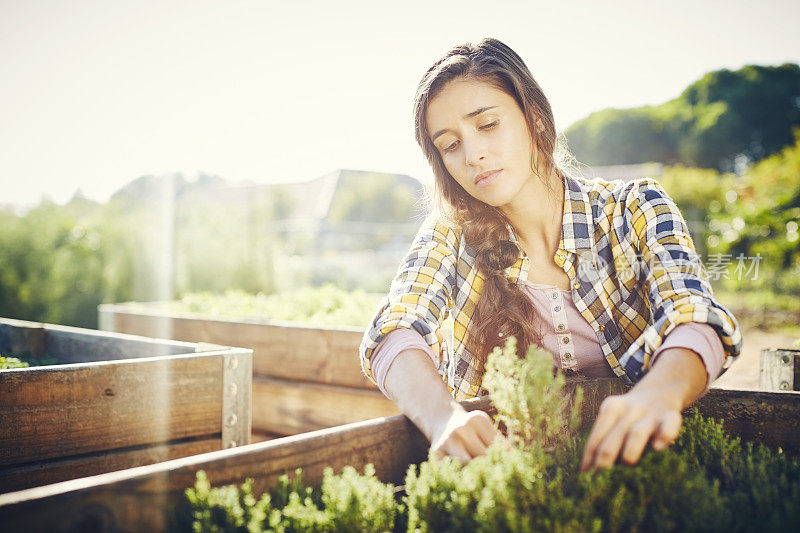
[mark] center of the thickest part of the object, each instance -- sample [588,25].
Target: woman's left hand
[624,425]
[651,409]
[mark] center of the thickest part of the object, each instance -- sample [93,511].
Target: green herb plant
[327,305]
[11,362]
[25,360]
[529,480]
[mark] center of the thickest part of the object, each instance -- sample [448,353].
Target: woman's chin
[497,198]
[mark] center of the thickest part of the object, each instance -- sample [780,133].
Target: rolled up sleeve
[672,273]
[703,340]
[420,295]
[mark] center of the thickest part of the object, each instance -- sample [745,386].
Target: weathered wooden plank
[261,436]
[21,477]
[79,345]
[18,337]
[323,355]
[779,370]
[345,365]
[281,350]
[289,407]
[771,418]
[73,409]
[594,392]
[139,499]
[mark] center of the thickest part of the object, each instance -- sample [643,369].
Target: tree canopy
[724,120]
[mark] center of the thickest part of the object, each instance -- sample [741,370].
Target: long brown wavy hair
[503,308]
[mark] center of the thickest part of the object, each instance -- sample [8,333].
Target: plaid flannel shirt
[633,268]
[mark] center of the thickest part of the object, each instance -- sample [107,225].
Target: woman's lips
[487,180]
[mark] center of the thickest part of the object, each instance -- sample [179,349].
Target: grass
[323,306]
[763,309]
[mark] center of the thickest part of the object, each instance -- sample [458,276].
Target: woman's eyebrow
[468,115]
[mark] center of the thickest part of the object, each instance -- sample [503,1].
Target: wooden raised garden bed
[304,378]
[140,499]
[111,401]
[779,369]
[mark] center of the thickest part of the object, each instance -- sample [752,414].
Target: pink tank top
[565,333]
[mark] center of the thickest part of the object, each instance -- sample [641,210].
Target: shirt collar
[577,232]
[577,226]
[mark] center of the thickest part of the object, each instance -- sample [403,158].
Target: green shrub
[25,360]
[327,305]
[11,362]
[761,218]
[531,480]
[346,502]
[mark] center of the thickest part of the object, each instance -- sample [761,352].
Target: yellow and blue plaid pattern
[634,272]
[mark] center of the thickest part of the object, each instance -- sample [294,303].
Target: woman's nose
[474,151]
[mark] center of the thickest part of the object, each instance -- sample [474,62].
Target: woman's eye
[482,128]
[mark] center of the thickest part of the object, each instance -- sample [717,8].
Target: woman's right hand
[413,383]
[463,435]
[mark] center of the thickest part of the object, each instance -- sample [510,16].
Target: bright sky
[97,93]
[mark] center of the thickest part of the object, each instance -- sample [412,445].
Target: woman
[603,274]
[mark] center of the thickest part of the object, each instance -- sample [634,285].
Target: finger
[668,431]
[610,411]
[636,439]
[484,428]
[473,444]
[607,451]
[458,451]
[470,439]
[452,446]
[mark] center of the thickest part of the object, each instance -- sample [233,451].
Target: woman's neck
[537,212]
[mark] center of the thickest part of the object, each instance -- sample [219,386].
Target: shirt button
[560,327]
[557,308]
[554,295]
[566,340]
[567,355]
[576,285]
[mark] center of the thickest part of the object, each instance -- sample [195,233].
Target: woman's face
[483,139]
